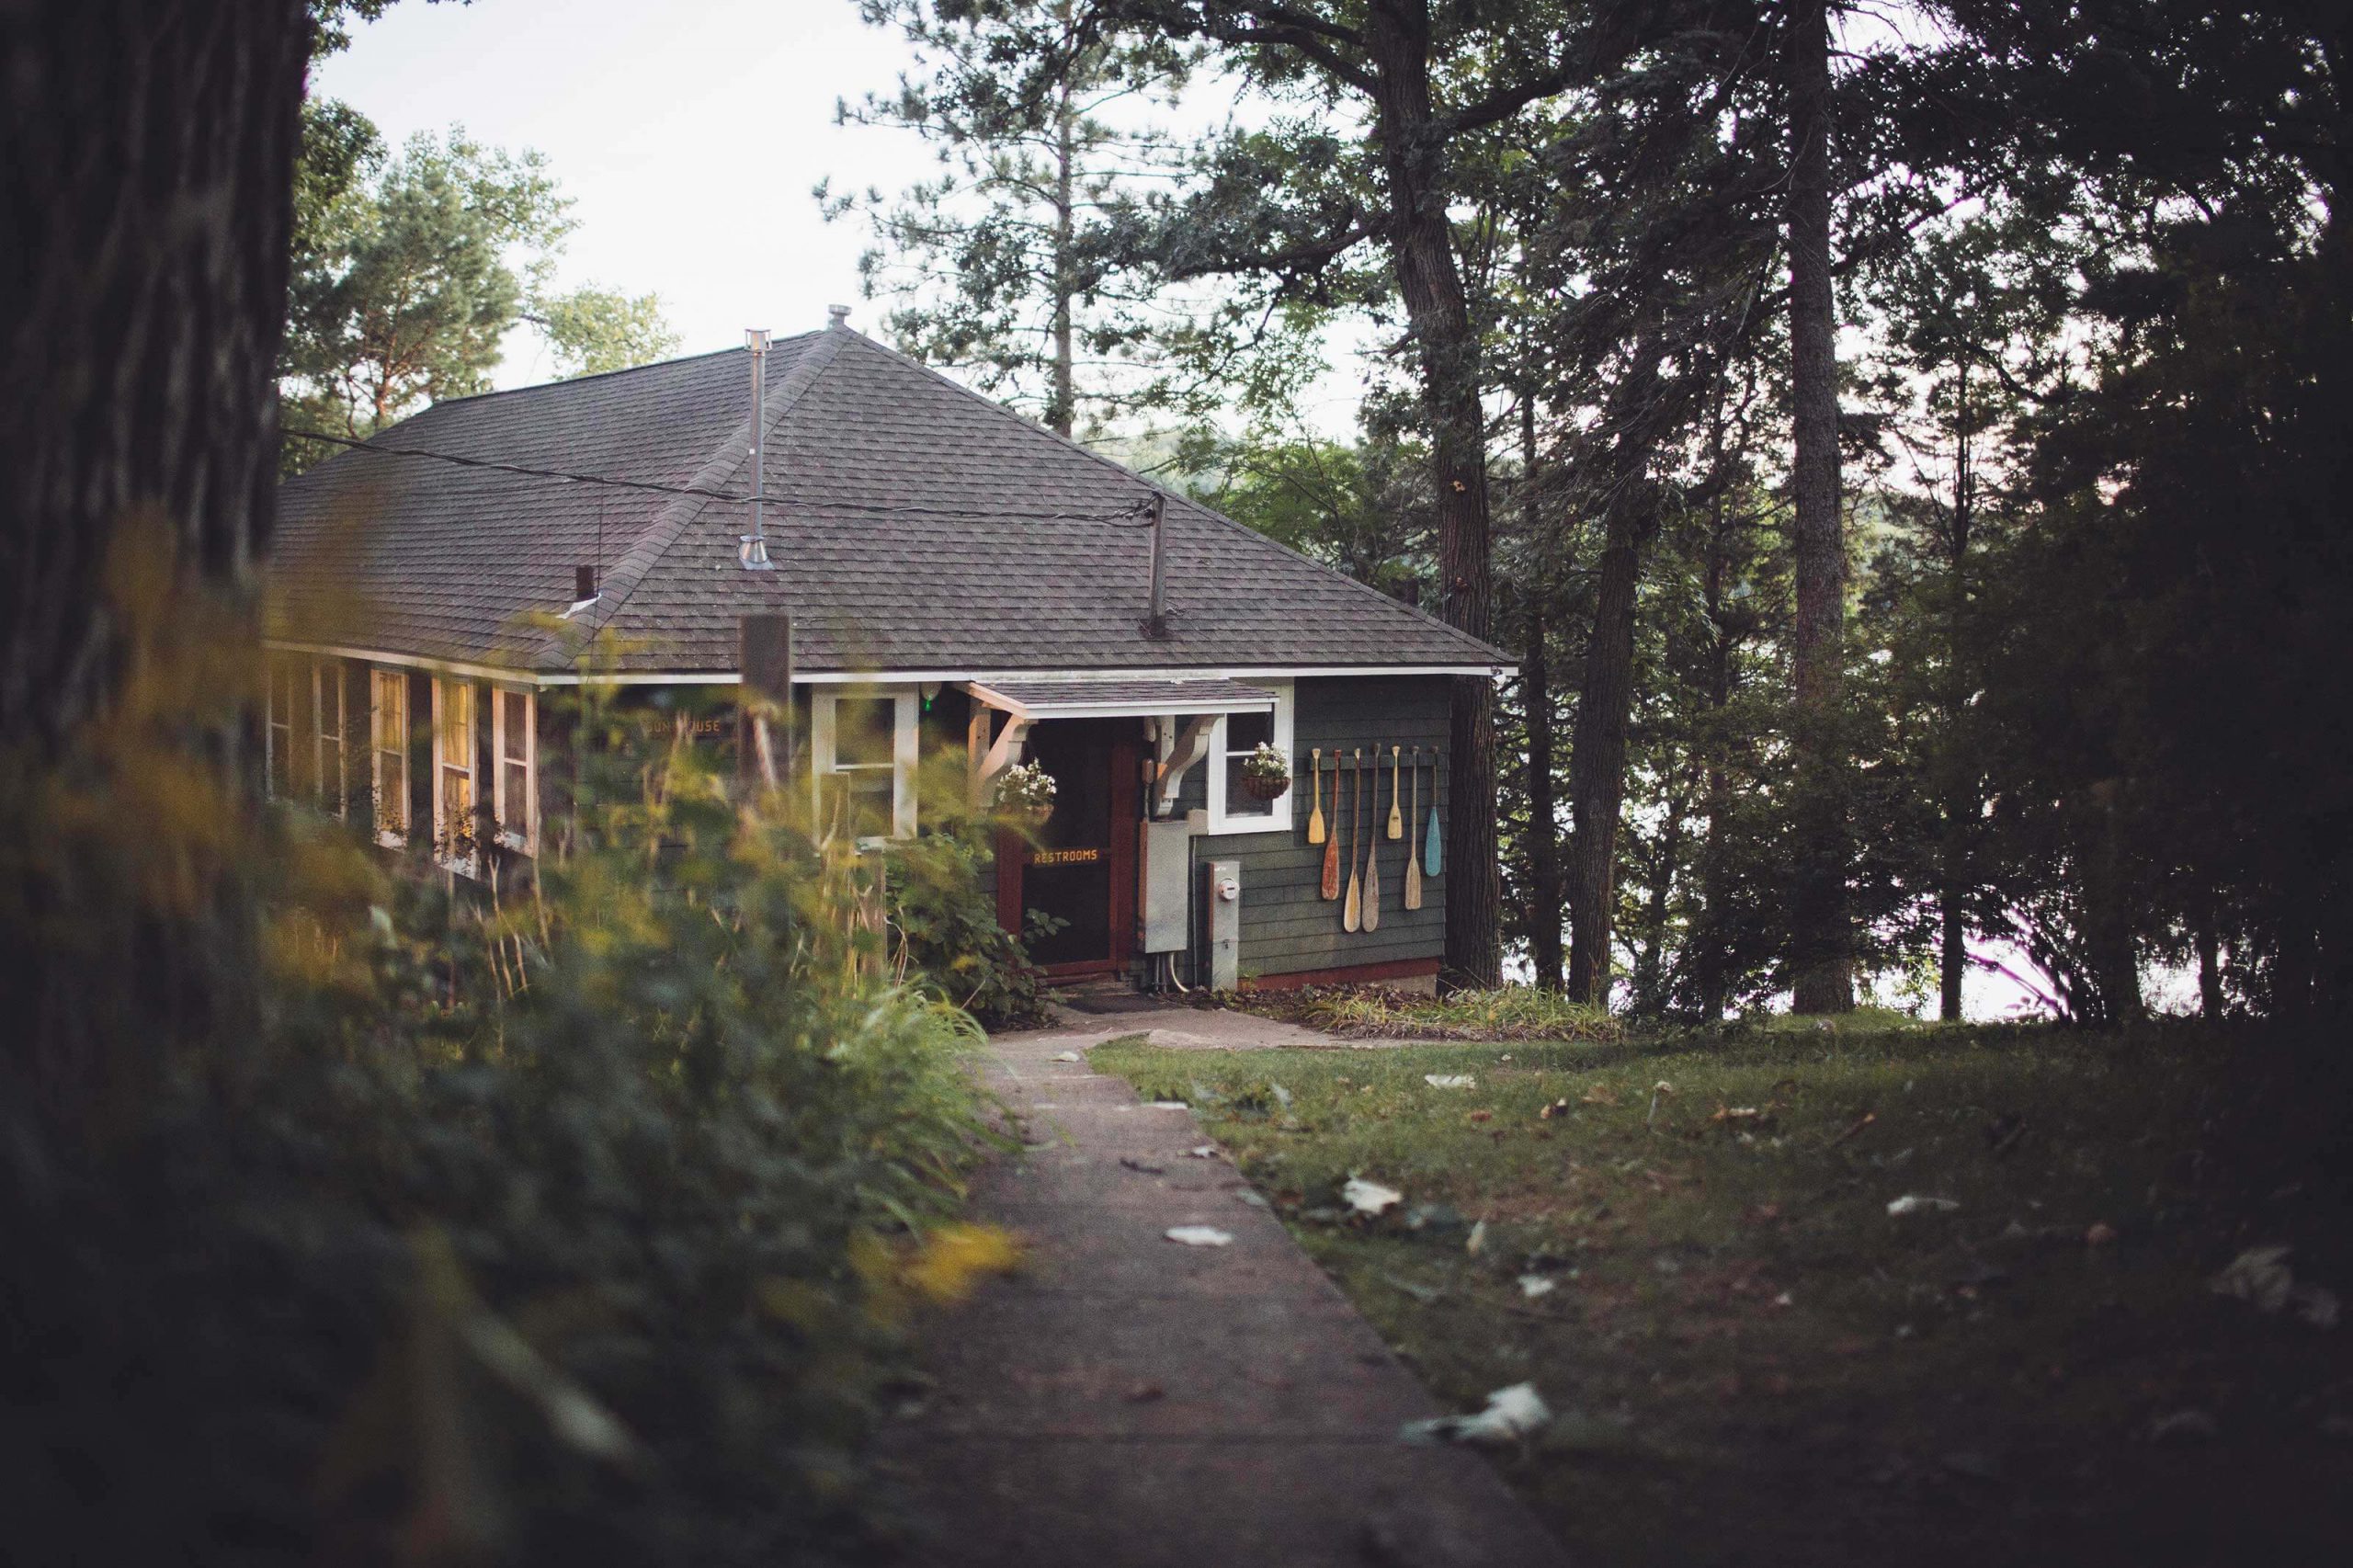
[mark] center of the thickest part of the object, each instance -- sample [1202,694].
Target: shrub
[573,1222]
[952,946]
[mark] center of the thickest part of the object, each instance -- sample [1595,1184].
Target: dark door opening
[1081,868]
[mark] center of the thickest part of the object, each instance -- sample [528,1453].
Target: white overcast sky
[688,134]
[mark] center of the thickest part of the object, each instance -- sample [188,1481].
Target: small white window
[388,727]
[1234,809]
[862,749]
[453,774]
[328,763]
[513,727]
[278,731]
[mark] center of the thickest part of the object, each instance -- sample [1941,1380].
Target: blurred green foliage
[575,1219]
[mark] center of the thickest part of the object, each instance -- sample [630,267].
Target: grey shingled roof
[872,460]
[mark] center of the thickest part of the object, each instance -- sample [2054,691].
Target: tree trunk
[1598,751]
[1438,308]
[147,200]
[1544,898]
[1960,807]
[2210,962]
[1821,942]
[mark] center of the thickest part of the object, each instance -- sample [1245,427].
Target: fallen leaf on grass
[1511,1413]
[1369,1197]
[2260,1276]
[1069,1056]
[1534,1285]
[1856,1125]
[1449,1080]
[1199,1235]
[2184,1426]
[1558,1107]
[1598,1094]
[1917,1204]
[1482,1116]
[1202,1151]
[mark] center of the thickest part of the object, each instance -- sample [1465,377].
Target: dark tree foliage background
[1967,592]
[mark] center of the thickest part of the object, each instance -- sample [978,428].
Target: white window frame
[906,735]
[391,825]
[444,839]
[278,728]
[326,675]
[1277,816]
[515,830]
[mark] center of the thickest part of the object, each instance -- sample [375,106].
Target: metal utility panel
[1165,860]
[1223,899]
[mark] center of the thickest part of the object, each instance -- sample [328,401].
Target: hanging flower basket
[1266,773]
[1026,793]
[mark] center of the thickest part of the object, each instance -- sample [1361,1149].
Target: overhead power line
[1121,518]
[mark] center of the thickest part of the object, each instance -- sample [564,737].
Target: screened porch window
[512,716]
[864,756]
[388,727]
[277,733]
[453,774]
[329,763]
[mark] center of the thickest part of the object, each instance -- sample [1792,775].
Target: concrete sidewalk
[1128,1402]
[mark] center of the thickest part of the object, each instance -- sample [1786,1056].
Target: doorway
[1079,870]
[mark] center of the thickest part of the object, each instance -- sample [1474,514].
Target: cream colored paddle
[1413,861]
[1315,794]
[1352,911]
[1396,817]
[1372,854]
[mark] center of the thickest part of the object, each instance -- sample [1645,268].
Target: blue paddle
[1433,858]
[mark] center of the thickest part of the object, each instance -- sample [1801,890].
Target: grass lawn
[1751,1360]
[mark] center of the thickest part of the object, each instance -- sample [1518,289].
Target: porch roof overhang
[1036,698]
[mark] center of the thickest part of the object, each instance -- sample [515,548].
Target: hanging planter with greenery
[1026,790]
[1266,773]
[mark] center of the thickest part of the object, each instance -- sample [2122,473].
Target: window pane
[518,800]
[862,731]
[862,800]
[457,807]
[1246,732]
[516,706]
[1239,801]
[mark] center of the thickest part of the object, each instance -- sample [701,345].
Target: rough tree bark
[1544,895]
[1597,749]
[1062,413]
[1421,241]
[146,197]
[1821,946]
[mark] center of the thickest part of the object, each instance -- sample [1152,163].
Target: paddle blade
[1433,858]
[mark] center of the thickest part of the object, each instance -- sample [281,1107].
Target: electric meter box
[1166,856]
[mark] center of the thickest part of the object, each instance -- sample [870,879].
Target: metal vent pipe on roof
[1156,625]
[753,548]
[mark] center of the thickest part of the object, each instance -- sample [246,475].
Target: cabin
[1234,733]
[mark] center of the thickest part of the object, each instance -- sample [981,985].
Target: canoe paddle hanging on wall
[1412,860]
[1315,795]
[1433,858]
[1396,817]
[1372,853]
[1352,912]
[1330,886]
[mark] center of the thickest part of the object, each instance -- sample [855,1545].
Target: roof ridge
[568,643]
[1209,512]
[602,375]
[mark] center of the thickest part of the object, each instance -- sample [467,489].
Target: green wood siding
[1286,927]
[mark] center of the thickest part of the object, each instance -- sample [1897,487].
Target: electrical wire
[1121,518]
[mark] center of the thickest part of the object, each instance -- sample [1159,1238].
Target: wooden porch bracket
[1191,747]
[1002,755]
